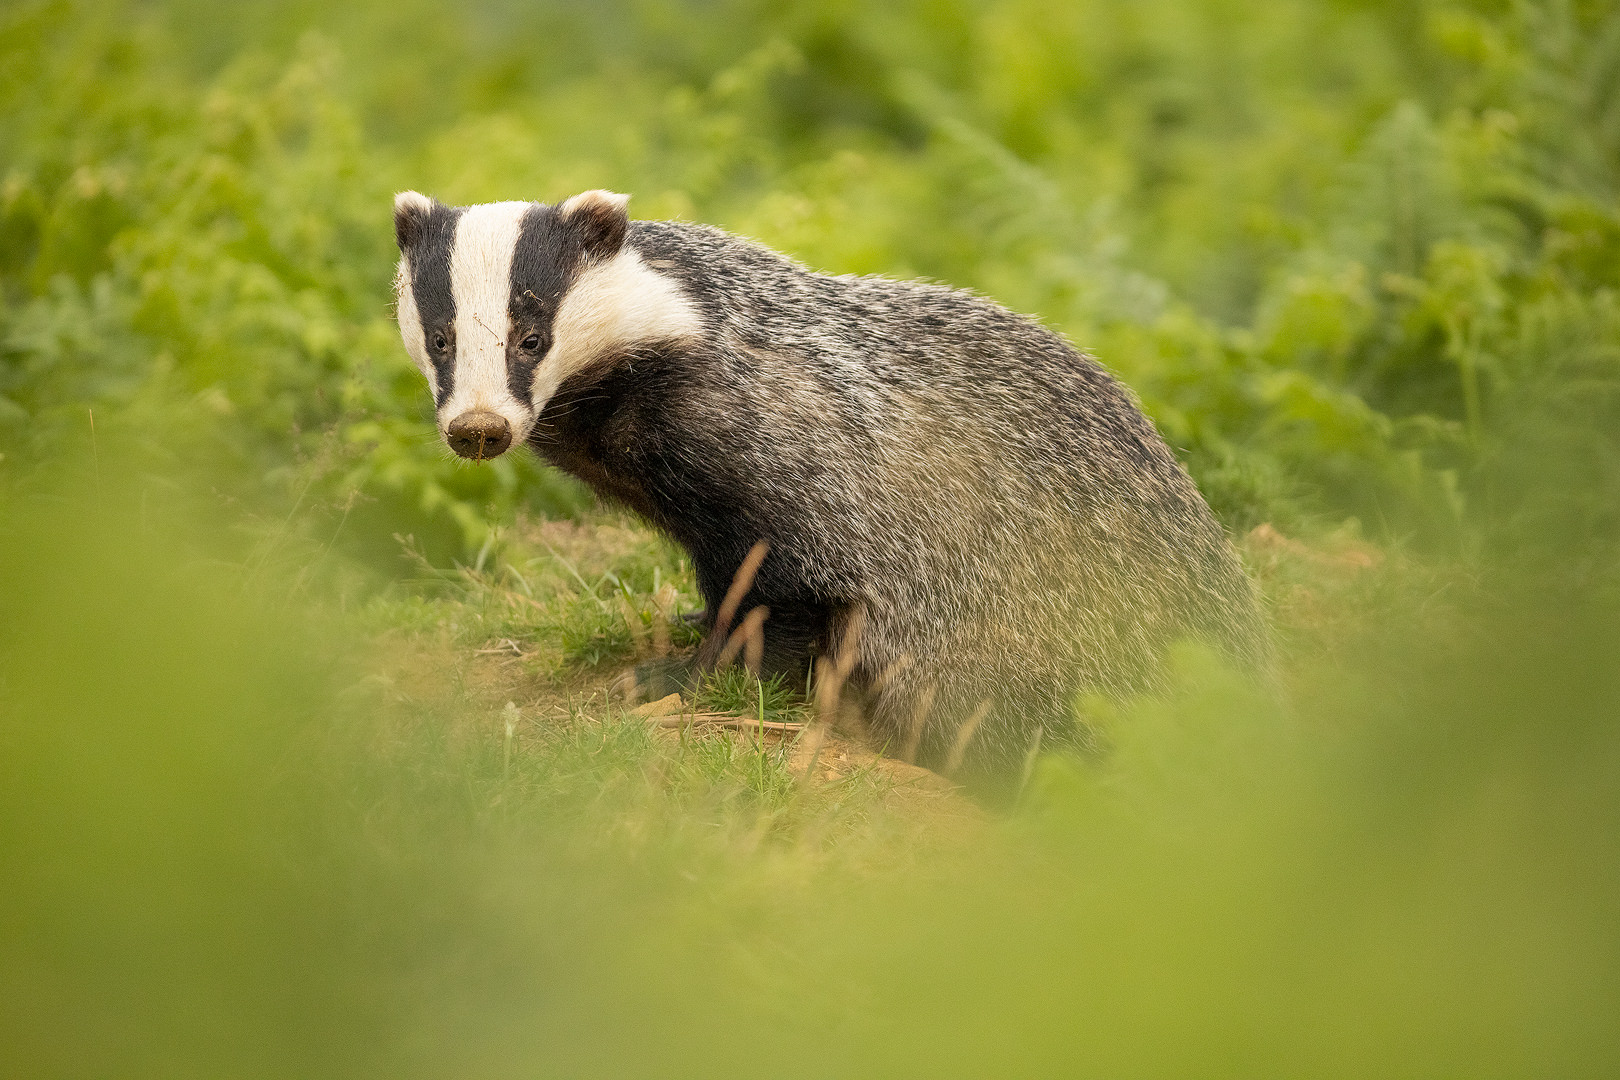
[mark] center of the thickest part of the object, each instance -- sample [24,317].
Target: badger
[973,514]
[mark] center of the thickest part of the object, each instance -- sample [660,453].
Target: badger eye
[531,343]
[439,342]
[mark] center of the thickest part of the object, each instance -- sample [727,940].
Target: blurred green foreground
[263,811]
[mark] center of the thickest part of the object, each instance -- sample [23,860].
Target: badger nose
[479,434]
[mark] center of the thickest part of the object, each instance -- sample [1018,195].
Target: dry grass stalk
[832,712]
[919,719]
[754,640]
[749,636]
[964,735]
[664,613]
[830,675]
[845,658]
[809,747]
[824,710]
[828,688]
[517,599]
[741,582]
[638,629]
[1030,758]
[849,642]
[896,668]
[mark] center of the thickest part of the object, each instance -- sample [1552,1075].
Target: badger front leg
[757,622]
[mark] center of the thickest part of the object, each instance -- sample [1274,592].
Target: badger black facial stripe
[429,261]
[542,269]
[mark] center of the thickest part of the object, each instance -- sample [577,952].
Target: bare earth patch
[544,629]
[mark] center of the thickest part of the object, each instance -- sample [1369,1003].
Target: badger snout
[479,435]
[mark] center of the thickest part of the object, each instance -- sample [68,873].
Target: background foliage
[1339,248]
[267,811]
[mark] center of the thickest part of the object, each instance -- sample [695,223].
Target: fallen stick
[743,723]
[504,646]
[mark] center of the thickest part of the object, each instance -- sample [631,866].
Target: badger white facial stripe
[610,307]
[481,280]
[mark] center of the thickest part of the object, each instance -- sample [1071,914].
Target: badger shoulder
[915,351]
[743,281]
[894,330]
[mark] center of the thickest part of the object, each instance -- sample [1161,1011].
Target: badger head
[499,304]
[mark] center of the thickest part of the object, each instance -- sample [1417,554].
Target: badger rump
[986,504]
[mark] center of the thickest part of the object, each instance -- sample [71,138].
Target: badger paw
[652,680]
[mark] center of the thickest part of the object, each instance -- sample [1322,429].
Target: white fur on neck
[481,280]
[613,305]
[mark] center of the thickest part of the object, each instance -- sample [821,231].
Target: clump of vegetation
[306,764]
[738,690]
[1343,251]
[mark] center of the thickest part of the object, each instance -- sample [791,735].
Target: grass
[737,690]
[307,764]
[535,635]
[412,836]
[519,650]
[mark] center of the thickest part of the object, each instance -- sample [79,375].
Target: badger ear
[411,210]
[601,217]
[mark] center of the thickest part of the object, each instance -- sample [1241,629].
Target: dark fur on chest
[642,431]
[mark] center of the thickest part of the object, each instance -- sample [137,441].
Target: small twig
[492,333]
[504,645]
[726,720]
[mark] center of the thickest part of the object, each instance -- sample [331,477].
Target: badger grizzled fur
[988,504]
